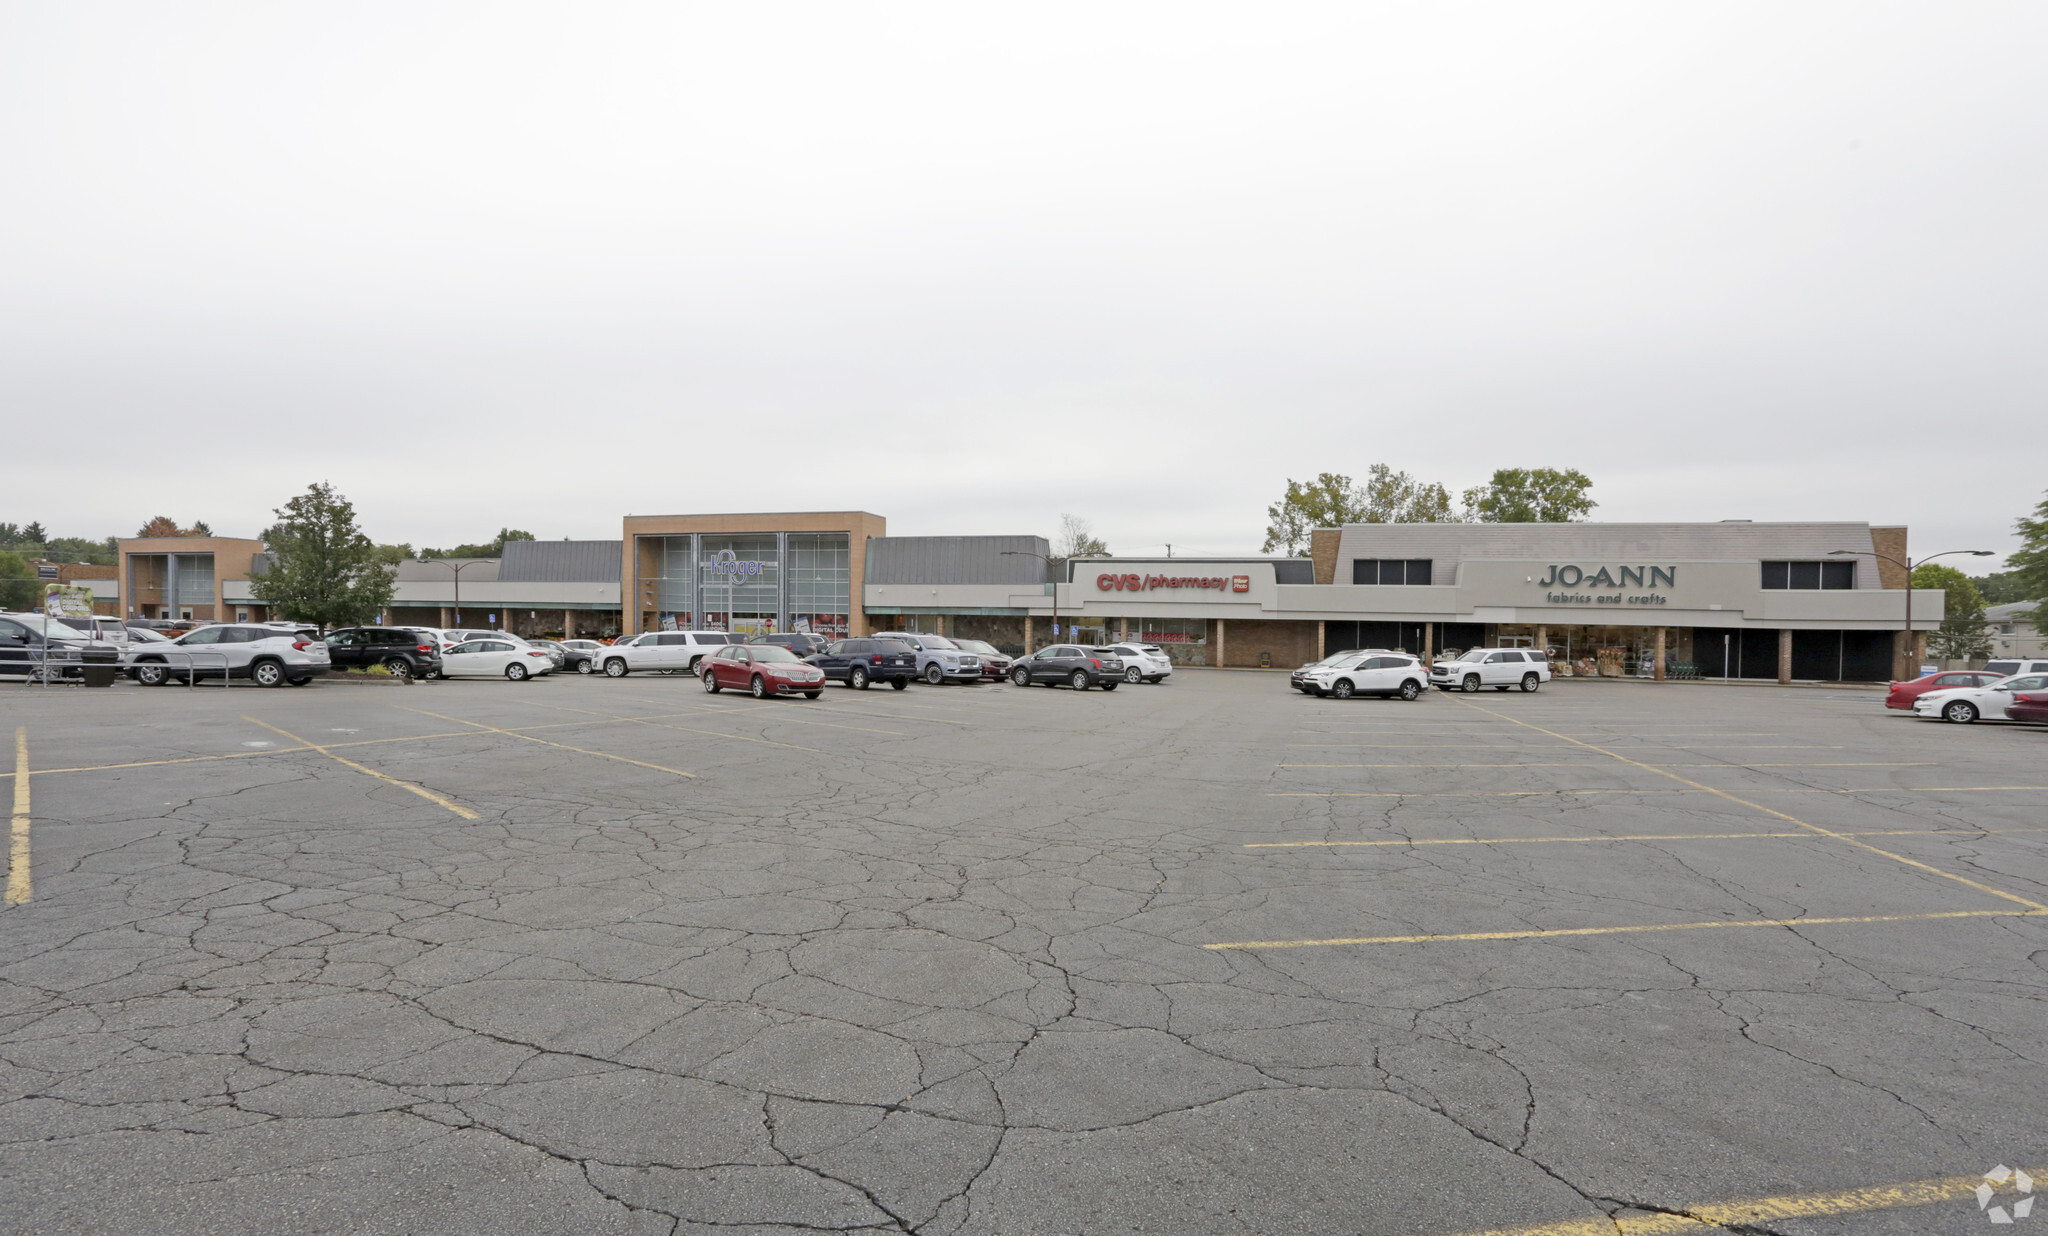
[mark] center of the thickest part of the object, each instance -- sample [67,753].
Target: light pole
[458,568]
[1906,651]
[1025,553]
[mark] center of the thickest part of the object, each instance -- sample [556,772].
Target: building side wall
[1280,644]
[1323,544]
[1890,542]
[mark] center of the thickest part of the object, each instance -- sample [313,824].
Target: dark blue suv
[858,662]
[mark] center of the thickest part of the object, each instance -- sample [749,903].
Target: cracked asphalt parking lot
[598,956]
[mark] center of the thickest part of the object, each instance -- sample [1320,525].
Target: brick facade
[1283,644]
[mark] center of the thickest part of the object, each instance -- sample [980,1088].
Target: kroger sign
[1199,583]
[730,564]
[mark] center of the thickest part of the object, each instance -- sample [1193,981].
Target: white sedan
[493,658]
[1966,704]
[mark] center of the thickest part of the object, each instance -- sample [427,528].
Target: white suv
[1143,662]
[1374,672]
[938,658]
[1499,668]
[270,655]
[666,652]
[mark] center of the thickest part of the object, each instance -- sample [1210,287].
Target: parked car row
[1967,698]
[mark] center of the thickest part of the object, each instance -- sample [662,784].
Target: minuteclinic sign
[1193,583]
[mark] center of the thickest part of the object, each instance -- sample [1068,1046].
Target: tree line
[1332,500]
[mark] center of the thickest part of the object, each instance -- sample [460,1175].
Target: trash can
[99,666]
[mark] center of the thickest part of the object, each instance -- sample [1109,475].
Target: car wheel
[811,695]
[1078,680]
[267,674]
[615,668]
[1530,682]
[696,663]
[1502,687]
[299,682]
[934,675]
[1962,712]
[710,682]
[585,667]
[899,684]
[1022,677]
[857,678]
[516,672]
[1342,689]
[1132,674]
[398,668]
[1111,685]
[153,674]
[430,673]
[760,687]
[1471,683]
[1410,689]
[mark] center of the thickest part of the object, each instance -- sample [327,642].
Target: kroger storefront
[1780,601]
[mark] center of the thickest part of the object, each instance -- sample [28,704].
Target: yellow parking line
[1880,832]
[493,729]
[19,881]
[736,709]
[422,791]
[1826,832]
[1542,933]
[1747,1214]
[666,726]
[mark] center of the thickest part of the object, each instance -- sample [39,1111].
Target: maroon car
[2028,706]
[763,669]
[1904,693]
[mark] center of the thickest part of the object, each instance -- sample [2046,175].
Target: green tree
[1333,500]
[325,569]
[1531,496]
[79,549]
[2000,587]
[2030,564]
[160,525]
[1962,634]
[35,533]
[486,549]
[20,590]
[392,555]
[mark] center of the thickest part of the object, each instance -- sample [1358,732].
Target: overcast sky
[971,267]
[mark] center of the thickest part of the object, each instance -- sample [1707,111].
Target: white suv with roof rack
[666,652]
[1500,668]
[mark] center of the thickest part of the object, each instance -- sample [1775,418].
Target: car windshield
[893,645]
[50,628]
[773,652]
[1472,654]
[2022,682]
[937,642]
[980,646]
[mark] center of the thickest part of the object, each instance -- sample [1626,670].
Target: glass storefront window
[748,583]
[1186,640]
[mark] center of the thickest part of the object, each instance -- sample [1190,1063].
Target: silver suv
[938,658]
[268,654]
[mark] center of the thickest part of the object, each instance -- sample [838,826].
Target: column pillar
[568,624]
[1123,630]
[1660,653]
[1219,642]
[1428,642]
[1027,634]
[1919,654]
[1542,639]
[940,627]
[447,618]
[1784,655]
[1322,640]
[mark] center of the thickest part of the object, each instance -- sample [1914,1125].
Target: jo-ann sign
[1198,583]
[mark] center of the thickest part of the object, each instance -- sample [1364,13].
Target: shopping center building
[1786,601]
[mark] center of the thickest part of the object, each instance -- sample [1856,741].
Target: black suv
[857,662]
[1080,668]
[802,643]
[397,649]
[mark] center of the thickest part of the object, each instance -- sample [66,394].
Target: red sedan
[1904,693]
[2028,706]
[763,669]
